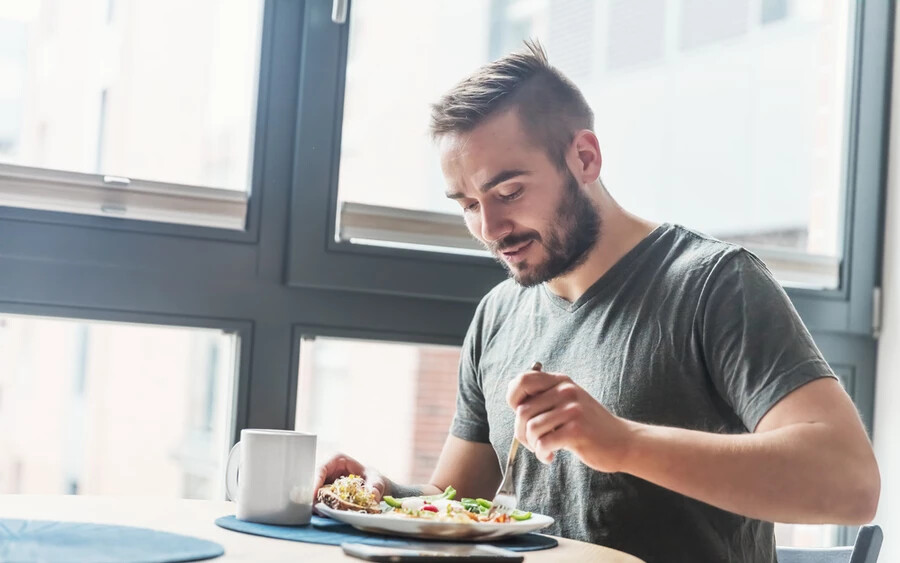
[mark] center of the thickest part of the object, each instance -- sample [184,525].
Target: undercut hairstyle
[550,107]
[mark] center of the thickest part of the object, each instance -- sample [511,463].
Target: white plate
[417,528]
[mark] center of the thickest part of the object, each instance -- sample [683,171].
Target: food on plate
[443,508]
[349,493]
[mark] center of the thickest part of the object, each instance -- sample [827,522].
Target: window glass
[160,90]
[114,409]
[387,404]
[726,117]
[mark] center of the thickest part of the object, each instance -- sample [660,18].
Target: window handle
[339,11]
[117,181]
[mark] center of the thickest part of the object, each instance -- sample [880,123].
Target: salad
[351,493]
[443,508]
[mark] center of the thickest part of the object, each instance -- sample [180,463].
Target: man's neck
[620,231]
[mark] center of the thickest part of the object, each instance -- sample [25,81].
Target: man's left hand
[553,413]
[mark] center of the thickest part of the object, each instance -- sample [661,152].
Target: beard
[573,232]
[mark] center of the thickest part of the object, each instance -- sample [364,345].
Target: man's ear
[586,159]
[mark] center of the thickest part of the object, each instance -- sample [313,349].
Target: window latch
[113,209]
[116,181]
[339,11]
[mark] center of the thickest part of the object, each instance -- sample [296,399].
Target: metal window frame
[441,233]
[59,181]
[317,259]
[99,268]
[123,198]
[169,274]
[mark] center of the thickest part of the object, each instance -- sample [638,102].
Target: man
[684,406]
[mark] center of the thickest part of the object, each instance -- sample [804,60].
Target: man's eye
[512,196]
[472,206]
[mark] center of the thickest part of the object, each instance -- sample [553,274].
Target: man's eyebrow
[501,177]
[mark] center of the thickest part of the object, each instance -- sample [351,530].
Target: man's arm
[470,467]
[809,459]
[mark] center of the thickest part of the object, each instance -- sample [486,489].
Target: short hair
[551,108]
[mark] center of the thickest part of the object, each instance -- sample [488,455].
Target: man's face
[535,220]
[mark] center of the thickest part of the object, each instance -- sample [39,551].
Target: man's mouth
[516,253]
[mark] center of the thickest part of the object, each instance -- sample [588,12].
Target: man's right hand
[342,465]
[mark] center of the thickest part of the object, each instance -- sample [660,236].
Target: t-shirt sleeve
[756,347]
[470,421]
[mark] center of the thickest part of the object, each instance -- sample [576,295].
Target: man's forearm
[799,473]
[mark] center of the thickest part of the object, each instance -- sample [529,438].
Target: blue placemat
[81,542]
[332,532]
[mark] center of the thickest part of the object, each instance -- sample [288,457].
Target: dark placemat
[83,542]
[332,532]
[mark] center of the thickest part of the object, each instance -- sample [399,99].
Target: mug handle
[232,468]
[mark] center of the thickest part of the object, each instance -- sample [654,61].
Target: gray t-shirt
[684,331]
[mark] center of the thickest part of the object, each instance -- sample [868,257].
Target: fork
[505,499]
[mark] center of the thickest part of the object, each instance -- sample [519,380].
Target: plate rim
[489,528]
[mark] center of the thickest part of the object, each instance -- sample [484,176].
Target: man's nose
[494,224]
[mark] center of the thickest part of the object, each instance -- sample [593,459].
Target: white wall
[887,385]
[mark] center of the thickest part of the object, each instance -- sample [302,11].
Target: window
[82,405]
[286,271]
[706,116]
[101,115]
[345,384]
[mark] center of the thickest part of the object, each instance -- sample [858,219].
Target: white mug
[276,480]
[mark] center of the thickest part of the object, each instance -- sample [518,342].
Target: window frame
[250,232]
[316,259]
[324,262]
[99,268]
[99,195]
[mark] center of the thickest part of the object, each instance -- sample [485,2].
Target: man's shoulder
[692,251]
[699,264]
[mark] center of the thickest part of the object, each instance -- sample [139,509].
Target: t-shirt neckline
[607,280]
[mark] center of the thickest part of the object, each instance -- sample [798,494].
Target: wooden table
[196,518]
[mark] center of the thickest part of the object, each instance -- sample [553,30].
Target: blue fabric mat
[332,532]
[81,542]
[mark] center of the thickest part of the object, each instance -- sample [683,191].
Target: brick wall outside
[436,379]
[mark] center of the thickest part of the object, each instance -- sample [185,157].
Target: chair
[865,550]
